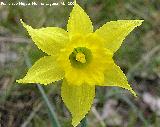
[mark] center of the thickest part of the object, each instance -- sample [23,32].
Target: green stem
[44,96]
[84,122]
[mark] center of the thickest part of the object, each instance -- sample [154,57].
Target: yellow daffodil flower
[81,57]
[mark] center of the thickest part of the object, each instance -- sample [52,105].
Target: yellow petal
[114,76]
[44,71]
[49,39]
[78,100]
[114,32]
[79,22]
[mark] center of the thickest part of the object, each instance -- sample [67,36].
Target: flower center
[80,57]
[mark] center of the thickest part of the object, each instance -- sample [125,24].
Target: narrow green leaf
[52,114]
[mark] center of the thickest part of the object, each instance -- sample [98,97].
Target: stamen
[81,57]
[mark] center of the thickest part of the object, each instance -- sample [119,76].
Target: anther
[81,57]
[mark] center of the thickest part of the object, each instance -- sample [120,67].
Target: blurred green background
[138,57]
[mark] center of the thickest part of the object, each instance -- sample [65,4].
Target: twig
[35,110]
[135,109]
[99,118]
[31,116]
[54,118]
[144,59]
[44,96]
[138,12]
[14,39]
